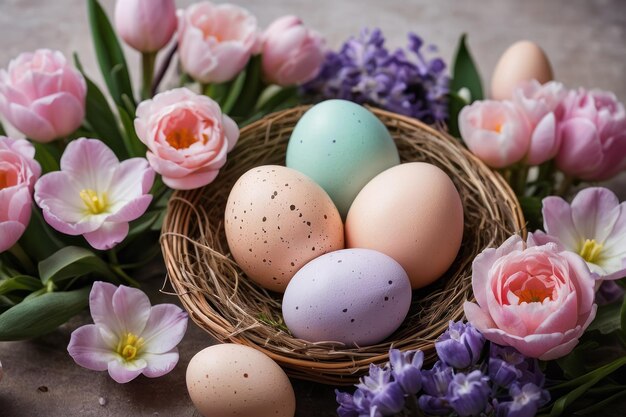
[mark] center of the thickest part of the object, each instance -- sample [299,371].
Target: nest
[231,308]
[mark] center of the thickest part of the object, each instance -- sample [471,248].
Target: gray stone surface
[585,40]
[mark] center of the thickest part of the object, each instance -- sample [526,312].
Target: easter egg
[276,220]
[239,381]
[412,213]
[522,61]
[354,296]
[341,146]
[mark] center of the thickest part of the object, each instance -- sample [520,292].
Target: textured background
[585,40]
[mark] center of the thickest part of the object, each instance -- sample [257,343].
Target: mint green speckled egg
[341,146]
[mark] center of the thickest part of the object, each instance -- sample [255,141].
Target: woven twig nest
[232,308]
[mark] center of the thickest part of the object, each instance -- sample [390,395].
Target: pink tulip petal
[132,210]
[89,350]
[58,193]
[161,364]
[64,111]
[102,312]
[122,371]
[543,142]
[165,328]
[30,123]
[477,317]
[563,318]
[107,235]
[167,168]
[580,152]
[557,221]
[614,160]
[540,238]
[231,130]
[480,274]
[195,180]
[10,233]
[559,350]
[595,211]
[91,162]
[132,308]
[583,281]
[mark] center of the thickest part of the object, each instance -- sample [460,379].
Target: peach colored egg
[230,380]
[276,221]
[412,213]
[522,61]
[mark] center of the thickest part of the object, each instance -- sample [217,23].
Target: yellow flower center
[498,128]
[94,202]
[181,138]
[591,251]
[533,295]
[129,345]
[4,180]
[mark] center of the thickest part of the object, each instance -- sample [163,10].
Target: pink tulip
[292,54]
[536,299]
[42,96]
[18,173]
[215,42]
[495,131]
[543,107]
[129,337]
[592,135]
[187,137]
[95,195]
[146,25]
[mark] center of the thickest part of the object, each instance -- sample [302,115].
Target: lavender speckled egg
[277,220]
[354,296]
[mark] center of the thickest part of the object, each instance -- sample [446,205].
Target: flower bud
[146,25]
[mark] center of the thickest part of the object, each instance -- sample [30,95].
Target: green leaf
[144,223]
[48,157]
[133,145]
[608,319]
[42,314]
[455,104]
[2,131]
[531,207]
[233,92]
[100,117]
[465,74]
[573,364]
[110,56]
[19,283]
[217,92]
[601,405]
[39,240]
[70,262]
[251,90]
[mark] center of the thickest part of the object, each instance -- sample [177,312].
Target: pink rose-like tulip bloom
[215,42]
[95,195]
[42,96]
[146,25]
[593,136]
[292,54]
[187,137]
[543,107]
[536,299]
[495,131]
[18,173]
[129,337]
[593,226]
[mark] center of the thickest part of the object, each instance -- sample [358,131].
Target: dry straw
[221,300]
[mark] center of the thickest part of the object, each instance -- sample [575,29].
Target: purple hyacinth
[406,369]
[437,406]
[384,394]
[469,393]
[405,81]
[507,365]
[460,346]
[525,402]
[435,381]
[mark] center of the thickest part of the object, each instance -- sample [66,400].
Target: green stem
[148,60]
[518,177]
[115,266]
[22,257]
[565,185]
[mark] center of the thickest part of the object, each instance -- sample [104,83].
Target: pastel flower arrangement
[82,198]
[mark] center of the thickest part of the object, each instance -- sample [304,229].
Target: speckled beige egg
[277,220]
[230,380]
[412,213]
[522,61]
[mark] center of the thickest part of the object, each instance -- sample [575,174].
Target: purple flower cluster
[465,381]
[405,81]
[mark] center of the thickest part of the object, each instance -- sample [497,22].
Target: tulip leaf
[234,92]
[109,52]
[19,283]
[251,90]
[623,317]
[70,262]
[464,75]
[133,145]
[608,319]
[99,116]
[40,240]
[47,156]
[42,314]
